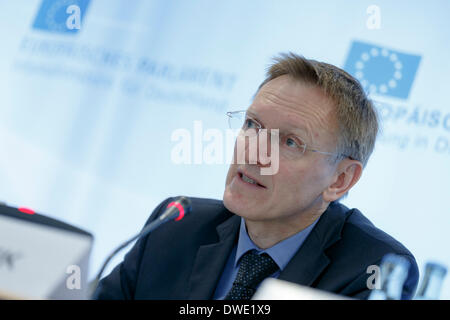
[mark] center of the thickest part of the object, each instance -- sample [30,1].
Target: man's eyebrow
[251,113]
[293,128]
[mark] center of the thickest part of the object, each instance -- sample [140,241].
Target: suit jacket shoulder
[159,266]
[361,245]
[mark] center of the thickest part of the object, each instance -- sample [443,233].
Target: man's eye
[292,143]
[250,124]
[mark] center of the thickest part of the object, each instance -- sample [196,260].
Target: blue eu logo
[64,16]
[381,70]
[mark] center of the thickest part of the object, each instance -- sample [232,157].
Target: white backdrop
[86,115]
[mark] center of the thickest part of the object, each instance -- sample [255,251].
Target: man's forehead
[286,120]
[296,105]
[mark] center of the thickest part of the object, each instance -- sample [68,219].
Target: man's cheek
[232,171]
[295,181]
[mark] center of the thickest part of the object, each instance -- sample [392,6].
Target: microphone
[176,210]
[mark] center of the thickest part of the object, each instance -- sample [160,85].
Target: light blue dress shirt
[281,253]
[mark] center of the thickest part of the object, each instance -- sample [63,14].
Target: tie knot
[254,268]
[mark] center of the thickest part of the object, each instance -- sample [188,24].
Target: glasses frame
[231,114]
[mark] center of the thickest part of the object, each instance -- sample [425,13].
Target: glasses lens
[236,120]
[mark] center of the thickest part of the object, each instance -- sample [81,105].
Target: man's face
[296,189]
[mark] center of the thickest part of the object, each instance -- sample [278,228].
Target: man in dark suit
[280,215]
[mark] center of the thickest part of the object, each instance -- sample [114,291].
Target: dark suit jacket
[185,259]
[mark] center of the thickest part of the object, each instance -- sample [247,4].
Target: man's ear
[347,175]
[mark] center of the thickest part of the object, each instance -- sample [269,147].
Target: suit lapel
[310,260]
[210,260]
[307,263]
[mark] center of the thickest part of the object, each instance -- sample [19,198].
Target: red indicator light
[179,207]
[26,210]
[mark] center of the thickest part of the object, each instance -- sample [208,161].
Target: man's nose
[258,149]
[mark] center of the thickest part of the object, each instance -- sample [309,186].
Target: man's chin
[228,201]
[237,204]
[232,202]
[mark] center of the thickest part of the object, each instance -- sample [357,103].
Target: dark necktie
[254,268]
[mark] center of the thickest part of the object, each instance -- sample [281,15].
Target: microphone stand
[182,206]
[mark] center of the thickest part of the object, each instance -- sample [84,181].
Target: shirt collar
[281,253]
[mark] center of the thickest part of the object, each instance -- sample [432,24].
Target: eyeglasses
[291,146]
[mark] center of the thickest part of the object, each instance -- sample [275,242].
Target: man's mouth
[249,180]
